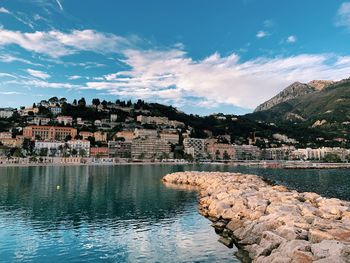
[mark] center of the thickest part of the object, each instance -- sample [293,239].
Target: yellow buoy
[58,187]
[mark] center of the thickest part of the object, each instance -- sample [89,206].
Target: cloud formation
[59,5]
[57,44]
[261,34]
[343,15]
[174,76]
[38,74]
[291,39]
[4,10]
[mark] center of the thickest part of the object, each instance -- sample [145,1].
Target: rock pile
[271,223]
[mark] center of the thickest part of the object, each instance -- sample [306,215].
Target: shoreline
[89,164]
[259,164]
[270,223]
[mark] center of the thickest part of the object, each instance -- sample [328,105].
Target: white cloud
[59,5]
[38,74]
[7,75]
[43,84]
[11,93]
[173,76]
[74,77]
[6,58]
[57,44]
[261,34]
[4,10]
[292,39]
[343,15]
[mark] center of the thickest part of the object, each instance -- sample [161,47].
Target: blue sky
[198,55]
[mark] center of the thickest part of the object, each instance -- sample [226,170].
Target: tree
[226,156]
[91,140]
[43,152]
[96,102]
[78,137]
[17,153]
[82,152]
[63,100]
[104,104]
[332,158]
[188,157]
[75,102]
[53,100]
[68,138]
[28,146]
[53,152]
[74,152]
[82,102]
[217,155]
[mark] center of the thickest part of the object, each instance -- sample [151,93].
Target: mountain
[294,91]
[321,106]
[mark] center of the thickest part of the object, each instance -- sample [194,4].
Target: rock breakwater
[271,223]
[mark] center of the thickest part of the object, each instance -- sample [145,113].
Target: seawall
[272,224]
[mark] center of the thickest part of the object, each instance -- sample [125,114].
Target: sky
[200,56]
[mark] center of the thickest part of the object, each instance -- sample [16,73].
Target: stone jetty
[271,223]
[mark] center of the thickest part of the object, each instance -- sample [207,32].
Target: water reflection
[101,213]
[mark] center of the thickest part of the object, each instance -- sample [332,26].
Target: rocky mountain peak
[320,84]
[293,91]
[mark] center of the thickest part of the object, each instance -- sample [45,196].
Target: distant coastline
[111,162]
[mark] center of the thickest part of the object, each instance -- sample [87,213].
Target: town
[55,131]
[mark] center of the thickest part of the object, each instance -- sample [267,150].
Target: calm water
[121,213]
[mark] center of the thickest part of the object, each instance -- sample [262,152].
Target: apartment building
[119,149]
[49,132]
[194,146]
[81,146]
[149,148]
[172,137]
[247,152]
[127,135]
[145,133]
[221,150]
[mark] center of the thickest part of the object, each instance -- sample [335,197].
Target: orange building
[99,151]
[127,135]
[49,132]
[219,149]
[86,134]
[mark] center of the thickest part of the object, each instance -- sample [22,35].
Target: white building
[40,121]
[194,146]
[53,148]
[6,113]
[114,117]
[65,120]
[56,110]
[79,146]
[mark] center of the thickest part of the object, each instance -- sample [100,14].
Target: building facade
[194,147]
[119,149]
[49,132]
[150,148]
[81,146]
